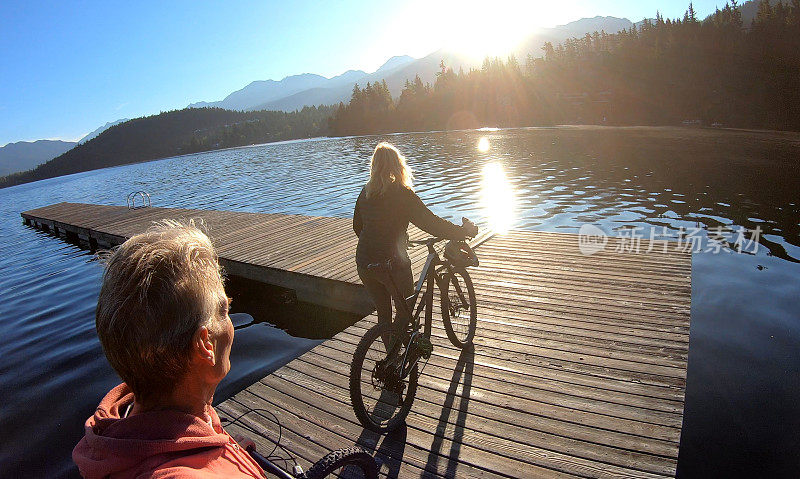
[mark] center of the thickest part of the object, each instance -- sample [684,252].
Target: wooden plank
[578,370]
[504,455]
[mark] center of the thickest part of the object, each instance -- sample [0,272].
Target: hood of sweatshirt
[113,444]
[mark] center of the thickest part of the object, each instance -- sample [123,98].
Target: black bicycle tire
[349,456]
[355,385]
[473,310]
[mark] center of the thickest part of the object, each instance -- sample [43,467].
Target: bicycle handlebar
[433,240]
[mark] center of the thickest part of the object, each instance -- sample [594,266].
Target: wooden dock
[578,370]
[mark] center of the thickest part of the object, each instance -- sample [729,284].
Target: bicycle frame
[268,466]
[428,277]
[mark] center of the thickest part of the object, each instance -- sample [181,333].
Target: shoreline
[785,134]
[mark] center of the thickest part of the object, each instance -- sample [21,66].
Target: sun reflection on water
[483,144]
[497,198]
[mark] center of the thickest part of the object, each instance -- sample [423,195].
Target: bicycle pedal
[297,471]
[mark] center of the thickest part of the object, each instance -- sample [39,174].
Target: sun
[479,36]
[486,40]
[479,29]
[475,29]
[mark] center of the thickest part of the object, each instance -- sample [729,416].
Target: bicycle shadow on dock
[389,455]
[463,369]
[390,452]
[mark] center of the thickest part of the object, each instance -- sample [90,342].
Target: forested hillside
[177,132]
[665,71]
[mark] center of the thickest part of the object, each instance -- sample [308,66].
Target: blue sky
[69,67]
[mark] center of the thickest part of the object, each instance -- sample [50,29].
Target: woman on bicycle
[383,210]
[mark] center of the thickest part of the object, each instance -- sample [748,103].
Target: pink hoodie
[162,444]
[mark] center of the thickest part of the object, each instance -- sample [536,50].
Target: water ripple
[561,179]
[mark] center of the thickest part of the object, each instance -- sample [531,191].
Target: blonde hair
[158,288]
[388,167]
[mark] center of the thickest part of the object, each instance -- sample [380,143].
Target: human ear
[204,347]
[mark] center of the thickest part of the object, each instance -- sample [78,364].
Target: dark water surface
[742,414]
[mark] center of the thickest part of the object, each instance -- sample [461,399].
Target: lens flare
[483,144]
[497,198]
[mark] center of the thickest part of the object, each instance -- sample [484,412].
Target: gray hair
[159,287]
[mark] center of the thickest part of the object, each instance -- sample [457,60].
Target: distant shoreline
[298,140]
[789,135]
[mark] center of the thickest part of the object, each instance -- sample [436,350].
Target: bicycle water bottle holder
[131,199]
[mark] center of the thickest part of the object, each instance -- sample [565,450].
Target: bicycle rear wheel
[380,399]
[349,462]
[459,308]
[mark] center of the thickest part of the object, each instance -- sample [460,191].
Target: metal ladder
[131,200]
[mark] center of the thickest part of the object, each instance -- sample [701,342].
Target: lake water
[742,413]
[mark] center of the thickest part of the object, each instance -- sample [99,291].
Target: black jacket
[380,222]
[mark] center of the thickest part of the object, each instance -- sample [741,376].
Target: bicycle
[353,461]
[386,359]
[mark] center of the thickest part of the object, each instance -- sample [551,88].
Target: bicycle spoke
[459,310]
[459,307]
[380,403]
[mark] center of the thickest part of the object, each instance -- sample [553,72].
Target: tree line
[178,132]
[661,72]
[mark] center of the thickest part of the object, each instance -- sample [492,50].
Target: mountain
[394,63]
[347,77]
[333,93]
[399,69]
[25,155]
[426,68]
[263,94]
[583,26]
[263,91]
[260,90]
[533,43]
[100,130]
[749,10]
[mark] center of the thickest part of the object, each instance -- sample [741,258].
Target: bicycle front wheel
[459,308]
[381,398]
[349,462]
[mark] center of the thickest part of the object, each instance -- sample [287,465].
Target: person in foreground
[162,319]
[383,210]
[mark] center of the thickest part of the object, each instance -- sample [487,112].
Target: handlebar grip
[466,223]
